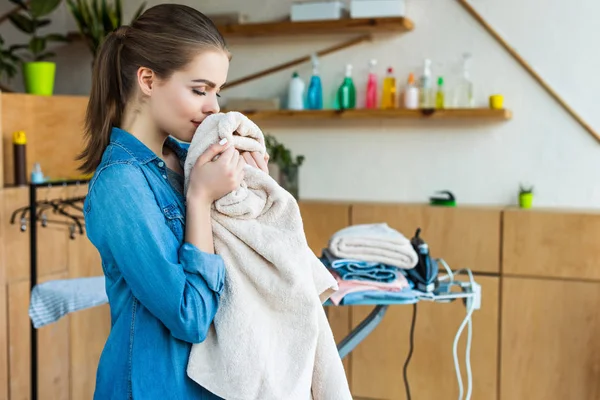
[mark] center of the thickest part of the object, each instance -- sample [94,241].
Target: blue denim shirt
[163,292]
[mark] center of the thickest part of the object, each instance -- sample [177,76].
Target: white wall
[407,161]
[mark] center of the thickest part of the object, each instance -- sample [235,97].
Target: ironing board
[371,321]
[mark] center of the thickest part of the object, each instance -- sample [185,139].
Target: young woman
[154,82]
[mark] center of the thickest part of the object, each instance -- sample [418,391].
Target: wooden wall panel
[3,311]
[550,345]
[89,328]
[54,129]
[465,237]
[1,148]
[321,220]
[552,243]
[19,337]
[377,363]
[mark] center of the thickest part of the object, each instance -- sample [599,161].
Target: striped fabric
[50,301]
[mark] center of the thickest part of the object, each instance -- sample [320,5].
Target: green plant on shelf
[523,189]
[287,166]
[29,18]
[8,61]
[97,18]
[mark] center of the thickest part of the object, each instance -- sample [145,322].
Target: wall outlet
[476,299]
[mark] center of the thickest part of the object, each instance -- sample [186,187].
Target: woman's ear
[146,80]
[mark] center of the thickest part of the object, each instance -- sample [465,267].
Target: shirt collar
[139,150]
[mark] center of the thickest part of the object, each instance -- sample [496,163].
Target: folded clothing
[347,287]
[349,269]
[374,243]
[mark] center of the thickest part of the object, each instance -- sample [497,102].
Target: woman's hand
[255,159]
[211,180]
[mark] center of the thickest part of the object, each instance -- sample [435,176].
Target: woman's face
[179,104]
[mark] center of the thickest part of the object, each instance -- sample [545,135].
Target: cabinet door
[377,363]
[550,340]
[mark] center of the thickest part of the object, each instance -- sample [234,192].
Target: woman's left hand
[255,159]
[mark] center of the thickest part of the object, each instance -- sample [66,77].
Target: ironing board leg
[363,330]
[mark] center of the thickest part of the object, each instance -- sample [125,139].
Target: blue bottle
[314,95]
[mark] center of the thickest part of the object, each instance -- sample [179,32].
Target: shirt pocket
[175,220]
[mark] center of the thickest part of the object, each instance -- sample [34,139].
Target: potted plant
[283,167]
[8,62]
[38,73]
[96,19]
[525,196]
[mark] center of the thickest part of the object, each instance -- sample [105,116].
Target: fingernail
[223,141]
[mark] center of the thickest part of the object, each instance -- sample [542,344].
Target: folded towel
[352,286]
[375,243]
[270,339]
[52,300]
[360,270]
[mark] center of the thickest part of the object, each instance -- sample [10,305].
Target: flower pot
[525,200]
[39,77]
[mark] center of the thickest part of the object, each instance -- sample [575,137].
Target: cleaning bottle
[439,95]
[347,91]
[411,94]
[19,157]
[425,91]
[388,98]
[296,93]
[314,96]
[463,97]
[371,100]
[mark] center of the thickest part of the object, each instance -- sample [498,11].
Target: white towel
[270,339]
[375,243]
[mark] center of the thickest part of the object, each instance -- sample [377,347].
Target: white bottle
[463,96]
[426,93]
[296,93]
[411,94]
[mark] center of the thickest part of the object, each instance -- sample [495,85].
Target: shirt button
[161,164]
[164,176]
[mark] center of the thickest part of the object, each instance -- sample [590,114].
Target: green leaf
[139,11]
[118,13]
[19,3]
[18,47]
[41,8]
[22,22]
[37,45]
[39,23]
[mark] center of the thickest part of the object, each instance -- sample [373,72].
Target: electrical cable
[410,351]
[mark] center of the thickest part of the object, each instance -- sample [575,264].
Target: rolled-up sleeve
[179,284]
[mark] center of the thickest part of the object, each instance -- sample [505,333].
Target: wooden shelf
[346,25]
[485,114]
[285,28]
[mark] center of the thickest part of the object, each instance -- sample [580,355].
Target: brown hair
[165,38]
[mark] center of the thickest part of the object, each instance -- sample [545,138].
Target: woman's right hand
[210,180]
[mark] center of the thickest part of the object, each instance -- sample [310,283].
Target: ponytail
[165,38]
[106,101]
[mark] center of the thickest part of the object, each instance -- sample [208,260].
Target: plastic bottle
[439,95]
[347,91]
[20,159]
[314,96]
[388,98]
[296,93]
[463,97]
[371,100]
[37,176]
[411,94]
[425,91]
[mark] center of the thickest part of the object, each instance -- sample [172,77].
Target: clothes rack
[36,209]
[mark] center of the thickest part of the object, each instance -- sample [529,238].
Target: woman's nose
[211,106]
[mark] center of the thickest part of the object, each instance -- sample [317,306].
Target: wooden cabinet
[377,363]
[465,237]
[550,340]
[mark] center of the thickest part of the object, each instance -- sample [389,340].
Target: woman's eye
[198,92]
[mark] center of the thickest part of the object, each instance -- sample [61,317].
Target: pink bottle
[371,101]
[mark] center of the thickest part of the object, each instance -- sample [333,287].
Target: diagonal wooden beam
[528,68]
[297,61]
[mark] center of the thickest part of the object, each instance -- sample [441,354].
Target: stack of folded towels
[367,261]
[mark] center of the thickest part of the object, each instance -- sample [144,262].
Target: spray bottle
[314,96]
[426,88]
[347,91]
[371,100]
